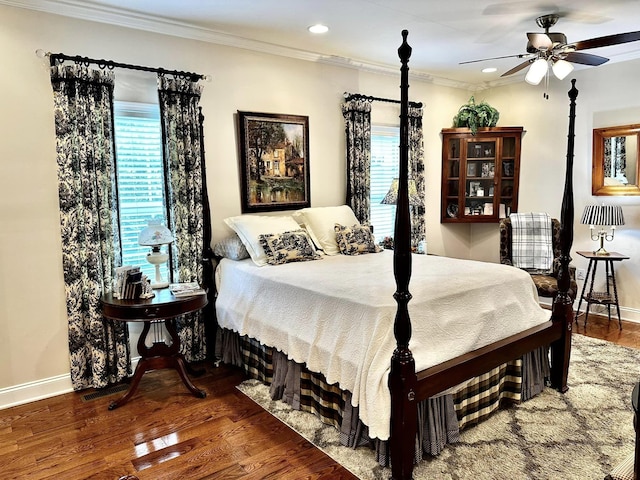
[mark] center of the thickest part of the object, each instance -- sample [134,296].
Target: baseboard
[40,389]
[32,391]
[627,314]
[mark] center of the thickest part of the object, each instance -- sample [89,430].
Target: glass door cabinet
[480,174]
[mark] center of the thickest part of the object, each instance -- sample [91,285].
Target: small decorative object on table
[387,242]
[130,283]
[186,289]
[147,289]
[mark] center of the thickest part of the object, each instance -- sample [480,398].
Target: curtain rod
[357,96]
[58,58]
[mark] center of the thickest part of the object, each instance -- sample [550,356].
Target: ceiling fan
[552,49]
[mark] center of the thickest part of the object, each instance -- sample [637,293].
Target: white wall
[33,344]
[607,96]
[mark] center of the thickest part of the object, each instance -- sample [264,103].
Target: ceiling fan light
[561,69]
[536,72]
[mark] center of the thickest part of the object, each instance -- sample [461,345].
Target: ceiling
[367,33]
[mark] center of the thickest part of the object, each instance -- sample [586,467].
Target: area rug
[581,434]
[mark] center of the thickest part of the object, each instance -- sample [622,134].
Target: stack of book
[186,289]
[129,283]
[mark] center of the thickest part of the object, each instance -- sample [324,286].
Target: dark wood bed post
[562,310]
[402,378]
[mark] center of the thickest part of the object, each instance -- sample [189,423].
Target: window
[385,164]
[140,181]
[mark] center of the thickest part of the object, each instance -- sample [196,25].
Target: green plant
[475,115]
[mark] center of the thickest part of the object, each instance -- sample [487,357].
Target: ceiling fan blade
[540,41]
[519,55]
[608,40]
[517,68]
[585,59]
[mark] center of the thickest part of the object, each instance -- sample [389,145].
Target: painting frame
[274,161]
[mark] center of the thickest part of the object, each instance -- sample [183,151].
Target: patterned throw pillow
[294,246]
[355,240]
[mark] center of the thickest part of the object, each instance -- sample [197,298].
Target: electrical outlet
[580,273]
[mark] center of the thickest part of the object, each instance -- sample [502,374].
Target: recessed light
[318,28]
[489,70]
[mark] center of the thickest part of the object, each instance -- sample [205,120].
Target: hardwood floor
[599,327]
[164,432]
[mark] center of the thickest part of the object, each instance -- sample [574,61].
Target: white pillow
[320,221]
[250,227]
[231,247]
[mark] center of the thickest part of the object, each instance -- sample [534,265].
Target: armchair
[547,285]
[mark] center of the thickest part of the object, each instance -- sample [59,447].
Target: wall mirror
[615,160]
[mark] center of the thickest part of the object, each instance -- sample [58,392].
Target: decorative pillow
[231,247]
[355,240]
[319,222]
[249,227]
[287,247]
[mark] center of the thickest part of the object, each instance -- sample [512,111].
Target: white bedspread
[336,315]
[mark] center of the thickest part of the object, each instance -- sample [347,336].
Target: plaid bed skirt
[440,419]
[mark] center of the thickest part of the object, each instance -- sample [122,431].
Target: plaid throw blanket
[531,247]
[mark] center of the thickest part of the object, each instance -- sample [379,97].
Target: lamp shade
[561,68]
[155,234]
[604,215]
[391,198]
[537,71]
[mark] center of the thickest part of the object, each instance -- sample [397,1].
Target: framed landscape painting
[274,161]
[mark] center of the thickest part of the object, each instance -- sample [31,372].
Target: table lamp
[155,235]
[602,216]
[391,198]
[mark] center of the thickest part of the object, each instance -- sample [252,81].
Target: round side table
[164,307]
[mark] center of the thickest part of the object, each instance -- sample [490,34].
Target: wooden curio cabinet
[479,174]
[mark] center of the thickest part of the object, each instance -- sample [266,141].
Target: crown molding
[96,13]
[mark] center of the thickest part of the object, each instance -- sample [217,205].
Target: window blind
[140,176]
[385,164]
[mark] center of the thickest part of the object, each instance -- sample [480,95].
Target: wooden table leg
[140,370]
[615,294]
[181,366]
[179,363]
[157,356]
[593,277]
[584,288]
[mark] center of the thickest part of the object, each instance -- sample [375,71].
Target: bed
[390,348]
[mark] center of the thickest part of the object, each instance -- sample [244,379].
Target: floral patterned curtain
[357,118]
[615,158]
[83,106]
[416,172]
[180,118]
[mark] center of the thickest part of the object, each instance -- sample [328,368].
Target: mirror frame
[597,175]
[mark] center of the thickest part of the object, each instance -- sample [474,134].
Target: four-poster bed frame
[407,386]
